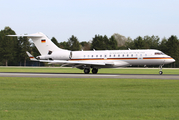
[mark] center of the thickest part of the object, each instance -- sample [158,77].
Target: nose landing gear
[160,72]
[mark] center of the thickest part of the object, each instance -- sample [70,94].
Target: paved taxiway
[69,75]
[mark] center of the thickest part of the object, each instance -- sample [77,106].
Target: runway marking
[53,75]
[76,75]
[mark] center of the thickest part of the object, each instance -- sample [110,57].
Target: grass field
[101,71]
[88,99]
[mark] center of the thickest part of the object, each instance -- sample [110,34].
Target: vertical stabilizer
[42,42]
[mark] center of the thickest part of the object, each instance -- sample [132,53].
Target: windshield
[159,53]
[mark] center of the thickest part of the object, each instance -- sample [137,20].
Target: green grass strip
[101,71]
[88,99]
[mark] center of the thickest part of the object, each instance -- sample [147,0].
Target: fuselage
[130,57]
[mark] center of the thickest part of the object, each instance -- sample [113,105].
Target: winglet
[31,57]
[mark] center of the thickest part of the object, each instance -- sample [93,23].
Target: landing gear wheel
[86,70]
[160,72]
[94,70]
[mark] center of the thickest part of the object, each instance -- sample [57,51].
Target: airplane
[96,59]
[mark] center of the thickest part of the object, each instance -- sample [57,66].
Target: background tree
[97,43]
[162,45]
[24,45]
[8,45]
[120,39]
[85,45]
[64,45]
[129,44]
[73,43]
[1,48]
[106,42]
[13,50]
[113,43]
[172,46]
[54,40]
[138,43]
[103,43]
[151,42]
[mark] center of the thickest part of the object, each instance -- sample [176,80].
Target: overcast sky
[86,18]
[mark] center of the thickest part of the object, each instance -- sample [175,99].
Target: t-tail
[44,45]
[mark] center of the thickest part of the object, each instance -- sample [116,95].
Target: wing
[72,62]
[78,64]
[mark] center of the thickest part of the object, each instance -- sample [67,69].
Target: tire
[94,70]
[86,70]
[160,72]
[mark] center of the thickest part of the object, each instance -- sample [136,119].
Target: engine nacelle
[120,64]
[43,57]
[59,55]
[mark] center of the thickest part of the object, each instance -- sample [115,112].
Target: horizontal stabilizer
[31,36]
[31,57]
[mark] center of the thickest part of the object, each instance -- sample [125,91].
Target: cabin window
[109,55]
[136,55]
[123,55]
[118,55]
[96,55]
[145,54]
[91,55]
[114,55]
[131,55]
[105,56]
[84,56]
[100,55]
[141,55]
[88,55]
[127,55]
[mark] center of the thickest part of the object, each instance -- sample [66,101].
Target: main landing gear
[87,70]
[94,70]
[160,72]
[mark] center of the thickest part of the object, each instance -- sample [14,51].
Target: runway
[76,75]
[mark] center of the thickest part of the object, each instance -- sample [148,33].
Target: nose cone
[169,60]
[173,60]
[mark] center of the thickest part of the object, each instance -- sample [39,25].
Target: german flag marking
[43,41]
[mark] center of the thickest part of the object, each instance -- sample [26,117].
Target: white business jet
[96,59]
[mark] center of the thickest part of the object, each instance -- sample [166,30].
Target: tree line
[13,49]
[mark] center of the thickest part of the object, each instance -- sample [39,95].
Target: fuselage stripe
[145,58]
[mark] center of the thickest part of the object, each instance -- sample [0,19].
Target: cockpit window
[159,53]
